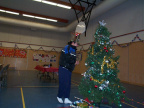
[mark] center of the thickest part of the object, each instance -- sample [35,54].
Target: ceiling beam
[34,14]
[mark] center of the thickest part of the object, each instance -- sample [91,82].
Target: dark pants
[64,82]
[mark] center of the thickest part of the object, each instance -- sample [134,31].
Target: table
[46,70]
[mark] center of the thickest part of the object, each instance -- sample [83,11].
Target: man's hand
[77,62]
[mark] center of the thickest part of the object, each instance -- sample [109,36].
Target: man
[67,63]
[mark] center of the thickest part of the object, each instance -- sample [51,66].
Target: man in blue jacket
[66,66]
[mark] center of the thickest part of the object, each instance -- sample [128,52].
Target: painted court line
[135,101]
[74,83]
[23,102]
[129,105]
[36,86]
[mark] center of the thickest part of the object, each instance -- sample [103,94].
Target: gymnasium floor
[25,90]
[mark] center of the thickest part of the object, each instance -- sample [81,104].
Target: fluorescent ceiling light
[48,2]
[2,10]
[26,15]
[37,0]
[12,12]
[63,6]
[40,18]
[51,20]
[37,17]
[54,4]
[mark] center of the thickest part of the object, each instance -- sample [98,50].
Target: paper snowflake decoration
[102,23]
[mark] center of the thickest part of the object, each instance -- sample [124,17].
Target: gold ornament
[100,82]
[112,64]
[109,65]
[103,63]
[92,50]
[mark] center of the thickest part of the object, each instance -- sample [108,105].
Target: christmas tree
[100,81]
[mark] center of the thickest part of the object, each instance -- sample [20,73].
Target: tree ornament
[96,86]
[86,64]
[92,62]
[120,105]
[124,92]
[106,61]
[103,63]
[102,43]
[90,79]
[107,82]
[84,74]
[100,82]
[101,88]
[89,91]
[92,50]
[117,93]
[105,48]
[102,23]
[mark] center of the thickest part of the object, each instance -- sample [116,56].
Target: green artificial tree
[100,81]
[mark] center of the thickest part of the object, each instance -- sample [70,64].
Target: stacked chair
[3,75]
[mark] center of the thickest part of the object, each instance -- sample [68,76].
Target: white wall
[125,18]
[26,35]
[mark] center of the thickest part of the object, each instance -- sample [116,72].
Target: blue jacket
[68,57]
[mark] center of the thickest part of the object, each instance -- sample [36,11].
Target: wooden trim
[34,14]
[126,34]
[31,44]
[132,83]
[116,37]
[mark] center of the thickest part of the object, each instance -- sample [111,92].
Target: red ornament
[105,48]
[122,100]
[96,86]
[124,92]
[90,79]
[86,99]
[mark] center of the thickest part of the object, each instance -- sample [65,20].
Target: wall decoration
[44,58]
[18,53]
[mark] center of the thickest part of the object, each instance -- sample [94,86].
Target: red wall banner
[18,53]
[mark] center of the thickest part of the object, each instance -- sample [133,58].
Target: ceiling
[41,9]
[46,10]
